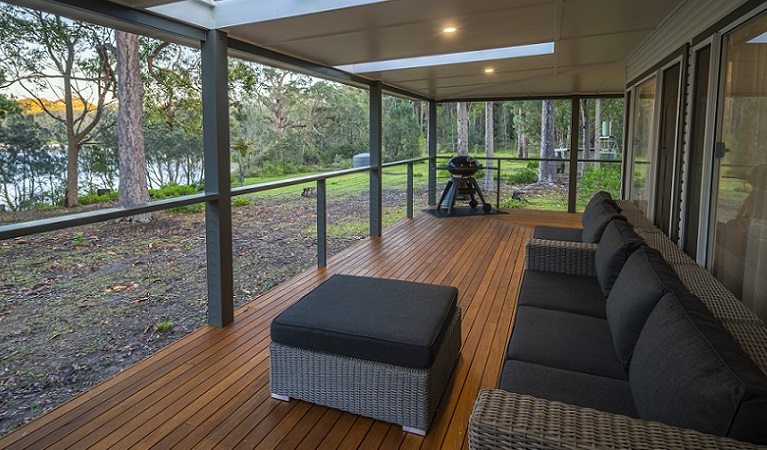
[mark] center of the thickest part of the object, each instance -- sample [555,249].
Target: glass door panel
[643,120]
[740,244]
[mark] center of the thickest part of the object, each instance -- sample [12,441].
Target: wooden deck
[211,388]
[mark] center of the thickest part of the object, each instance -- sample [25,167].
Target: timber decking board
[211,388]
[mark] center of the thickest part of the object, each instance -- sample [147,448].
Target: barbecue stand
[462,183]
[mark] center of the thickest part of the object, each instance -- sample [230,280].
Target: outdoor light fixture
[489,70]
[450,30]
[546,48]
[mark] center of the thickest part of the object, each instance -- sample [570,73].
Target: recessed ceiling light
[546,48]
[489,70]
[449,30]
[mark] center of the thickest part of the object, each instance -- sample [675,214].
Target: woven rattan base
[401,395]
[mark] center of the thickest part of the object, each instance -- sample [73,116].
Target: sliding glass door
[642,148]
[739,246]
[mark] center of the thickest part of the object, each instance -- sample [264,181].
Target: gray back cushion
[645,278]
[687,371]
[618,242]
[596,219]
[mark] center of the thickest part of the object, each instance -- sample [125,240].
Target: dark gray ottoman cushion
[390,321]
[595,221]
[558,233]
[562,292]
[645,278]
[564,340]
[618,242]
[687,371]
[575,388]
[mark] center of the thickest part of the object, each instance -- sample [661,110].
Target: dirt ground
[80,305]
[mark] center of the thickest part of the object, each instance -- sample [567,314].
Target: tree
[130,135]
[597,127]
[463,128]
[522,142]
[489,145]
[547,169]
[43,53]
[25,162]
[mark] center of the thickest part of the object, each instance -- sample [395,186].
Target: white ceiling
[592,39]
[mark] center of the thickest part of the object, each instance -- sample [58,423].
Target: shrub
[605,177]
[533,165]
[524,176]
[89,199]
[171,191]
[241,201]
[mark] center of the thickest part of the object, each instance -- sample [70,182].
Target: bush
[533,165]
[605,177]
[524,176]
[89,199]
[171,191]
[241,201]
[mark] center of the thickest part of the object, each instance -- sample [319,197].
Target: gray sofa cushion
[645,278]
[687,371]
[558,233]
[618,242]
[391,321]
[575,388]
[595,221]
[564,340]
[600,197]
[562,292]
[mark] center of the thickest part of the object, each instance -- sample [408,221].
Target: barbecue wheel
[473,204]
[486,207]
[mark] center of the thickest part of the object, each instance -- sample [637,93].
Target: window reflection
[740,252]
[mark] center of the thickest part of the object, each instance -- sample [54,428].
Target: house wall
[723,210]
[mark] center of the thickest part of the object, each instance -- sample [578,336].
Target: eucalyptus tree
[48,55]
[462,116]
[547,170]
[172,112]
[26,162]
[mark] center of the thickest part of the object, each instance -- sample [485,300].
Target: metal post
[498,186]
[410,190]
[376,172]
[218,213]
[322,225]
[432,153]
[572,188]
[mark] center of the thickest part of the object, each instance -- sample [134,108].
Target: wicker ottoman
[380,348]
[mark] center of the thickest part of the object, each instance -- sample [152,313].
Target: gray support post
[572,189]
[322,225]
[410,190]
[376,172]
[498,185]
[432,152]
[218,213]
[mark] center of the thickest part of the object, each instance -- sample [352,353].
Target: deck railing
[101,215]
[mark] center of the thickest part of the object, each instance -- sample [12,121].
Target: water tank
[361,160]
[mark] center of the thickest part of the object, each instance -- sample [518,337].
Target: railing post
[572,189]
[322,225]
[498,186]
[432,153]
[218,213]
[376,172]
[409,190]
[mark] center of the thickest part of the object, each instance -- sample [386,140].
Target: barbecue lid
[463,165]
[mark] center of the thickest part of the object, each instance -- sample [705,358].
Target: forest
[60,130]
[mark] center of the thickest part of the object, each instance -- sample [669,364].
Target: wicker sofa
[630,366]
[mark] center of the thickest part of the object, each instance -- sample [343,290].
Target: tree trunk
[548,169]
[463,129]
[597,127]
[130,135]
[489,146]
[585,128]
[522,151]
